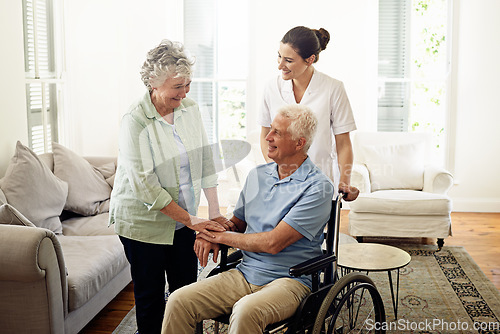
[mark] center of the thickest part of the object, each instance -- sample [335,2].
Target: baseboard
[476,204]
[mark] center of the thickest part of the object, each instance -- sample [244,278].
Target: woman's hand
[205,226]
[226,223]
[202,249]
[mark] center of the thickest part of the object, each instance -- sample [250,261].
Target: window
[216,35]
[414,67]
[43,72]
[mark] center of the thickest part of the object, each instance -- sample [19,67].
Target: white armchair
[401,193]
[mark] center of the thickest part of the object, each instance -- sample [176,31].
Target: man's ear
[300,143]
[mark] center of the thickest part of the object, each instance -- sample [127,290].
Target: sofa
[60,263]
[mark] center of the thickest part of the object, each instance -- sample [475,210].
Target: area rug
[439,292]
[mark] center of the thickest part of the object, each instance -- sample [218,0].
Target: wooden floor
[479,233]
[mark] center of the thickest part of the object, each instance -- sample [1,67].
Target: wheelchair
[337,305]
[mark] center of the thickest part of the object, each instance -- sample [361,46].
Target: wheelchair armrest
[234,256]
[226,261]
[313,265]
[219,269]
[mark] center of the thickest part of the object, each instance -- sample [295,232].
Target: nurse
[300,83]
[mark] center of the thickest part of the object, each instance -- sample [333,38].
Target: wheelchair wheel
[353,305]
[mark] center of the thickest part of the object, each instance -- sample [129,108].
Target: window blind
[211,30]
[40,69]
[200,40]
[393,67]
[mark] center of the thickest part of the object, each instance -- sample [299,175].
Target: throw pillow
[88,191]
[31,187]
[3,200]
[108,171]
[10,216]
[395,166]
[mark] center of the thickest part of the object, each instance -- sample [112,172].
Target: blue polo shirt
[302,200]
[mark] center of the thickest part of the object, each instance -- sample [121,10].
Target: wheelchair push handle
[349,193]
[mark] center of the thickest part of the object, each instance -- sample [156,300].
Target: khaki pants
[253,307]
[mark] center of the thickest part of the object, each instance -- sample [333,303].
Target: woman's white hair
[303,122]
[167,60]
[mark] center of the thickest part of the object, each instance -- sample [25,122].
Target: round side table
[374,257]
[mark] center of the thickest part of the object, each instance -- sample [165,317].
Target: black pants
[149,263]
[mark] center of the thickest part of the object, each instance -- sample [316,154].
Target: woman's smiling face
[290,63]
[171,93]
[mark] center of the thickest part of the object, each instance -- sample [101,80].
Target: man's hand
[214,237]
[350,192]
[226,223]
[202,249]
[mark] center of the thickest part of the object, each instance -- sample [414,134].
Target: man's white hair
[303,122]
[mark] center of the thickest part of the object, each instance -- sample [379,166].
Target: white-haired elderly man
[280,216]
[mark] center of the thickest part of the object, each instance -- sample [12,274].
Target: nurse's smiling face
[290,63]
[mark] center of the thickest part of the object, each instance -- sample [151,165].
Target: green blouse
[147,176]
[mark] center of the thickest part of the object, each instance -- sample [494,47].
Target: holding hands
[203,246]
[205,226]
[226,223]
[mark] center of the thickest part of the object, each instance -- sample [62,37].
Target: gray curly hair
[167,60]
[303,122]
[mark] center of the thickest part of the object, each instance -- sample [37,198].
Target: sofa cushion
[91,225]
[395,166]
[10,216]
[88,190]
[33,190]
[402,202]
[91,262]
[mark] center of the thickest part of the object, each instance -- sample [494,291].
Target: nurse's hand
[350,192]
[228,225]
[202,248]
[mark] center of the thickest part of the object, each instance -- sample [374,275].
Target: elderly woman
[164,161]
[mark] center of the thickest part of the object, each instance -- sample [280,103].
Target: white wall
[475,100]
[13,116]
[107,42]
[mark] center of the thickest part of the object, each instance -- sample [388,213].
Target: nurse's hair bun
[323,37]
